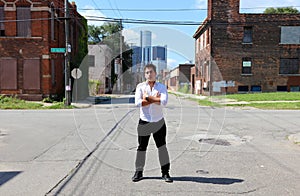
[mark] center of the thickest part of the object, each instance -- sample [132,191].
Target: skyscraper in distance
[146,39]
[159,57]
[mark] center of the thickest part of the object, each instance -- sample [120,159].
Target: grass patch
[15,103]
[176,94]
[59,105]
[277,96]
[207,102]
[276,106]
[251,98]
[184,89]
[270,106]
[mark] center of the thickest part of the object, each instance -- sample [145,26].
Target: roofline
[205,23]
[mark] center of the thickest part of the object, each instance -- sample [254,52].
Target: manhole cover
[220,142]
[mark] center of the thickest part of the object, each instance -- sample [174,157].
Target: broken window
[289,66]
[246,66]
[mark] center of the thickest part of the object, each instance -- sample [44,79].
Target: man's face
[150,74]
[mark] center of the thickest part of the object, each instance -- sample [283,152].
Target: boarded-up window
[8,74]
[290,35]
[23,22]
[31,74]
[289,66]
[247,35]
[91,60]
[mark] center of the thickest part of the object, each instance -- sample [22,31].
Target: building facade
[30,30]
[239,53]
[179,78]
[100,56]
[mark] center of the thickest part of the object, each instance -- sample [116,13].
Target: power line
[173,10]
[142,10]
[160,22]
[140,21]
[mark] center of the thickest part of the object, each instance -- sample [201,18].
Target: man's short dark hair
[150,66]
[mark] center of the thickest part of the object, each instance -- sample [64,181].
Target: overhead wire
[175,9]
[142,21]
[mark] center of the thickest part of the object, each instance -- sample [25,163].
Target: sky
[178,38]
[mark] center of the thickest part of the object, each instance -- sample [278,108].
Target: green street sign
[58,50]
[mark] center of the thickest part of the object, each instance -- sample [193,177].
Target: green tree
[94,34]
[82,45]
[281,10]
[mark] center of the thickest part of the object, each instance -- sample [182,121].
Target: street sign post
[76,74]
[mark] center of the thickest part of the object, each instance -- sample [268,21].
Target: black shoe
[138,175]
[167,177]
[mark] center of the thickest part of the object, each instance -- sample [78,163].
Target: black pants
[159,131]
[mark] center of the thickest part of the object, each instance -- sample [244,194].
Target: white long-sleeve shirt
[152,112]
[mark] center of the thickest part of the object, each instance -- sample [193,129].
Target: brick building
[179,77]
[29,29]
[246,52]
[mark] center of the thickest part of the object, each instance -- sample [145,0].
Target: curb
[81,105]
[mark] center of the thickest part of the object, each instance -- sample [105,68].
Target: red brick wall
[10,27]
[37,46]
[227,49]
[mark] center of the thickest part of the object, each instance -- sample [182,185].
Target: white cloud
[131,37]
[89,11]
[201,4]
[172,63]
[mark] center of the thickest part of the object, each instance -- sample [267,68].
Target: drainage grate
[220,142]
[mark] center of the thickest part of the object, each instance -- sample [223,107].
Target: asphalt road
[213,151]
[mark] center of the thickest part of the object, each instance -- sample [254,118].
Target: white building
[100,57]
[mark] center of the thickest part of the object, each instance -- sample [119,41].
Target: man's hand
[157,94]
[145,95]
[145,102]
[156,98]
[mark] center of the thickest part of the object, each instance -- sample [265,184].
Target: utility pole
[67,62]
[121,58]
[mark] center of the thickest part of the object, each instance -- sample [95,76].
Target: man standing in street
[151,96]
